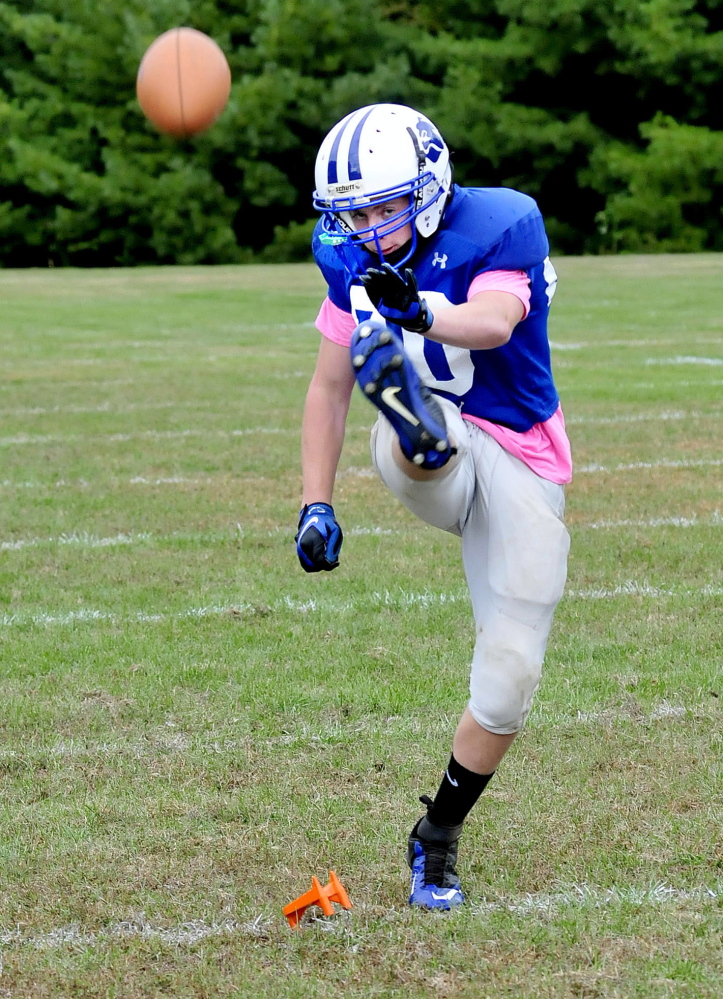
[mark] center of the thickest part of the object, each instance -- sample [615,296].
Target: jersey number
[440,366]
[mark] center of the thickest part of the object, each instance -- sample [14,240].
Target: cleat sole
[390,382]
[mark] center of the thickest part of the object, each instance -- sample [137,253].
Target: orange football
[183,82]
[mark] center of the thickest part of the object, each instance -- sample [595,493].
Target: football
[183,82]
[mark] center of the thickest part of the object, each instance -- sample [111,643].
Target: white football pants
[514,550]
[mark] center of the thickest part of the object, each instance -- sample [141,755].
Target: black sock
[458,792]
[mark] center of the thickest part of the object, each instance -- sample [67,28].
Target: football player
[437,306]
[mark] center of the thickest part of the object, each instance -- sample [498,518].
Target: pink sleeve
[335,324]
[514,282]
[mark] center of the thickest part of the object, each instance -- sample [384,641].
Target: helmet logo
[352,187]
[429,139]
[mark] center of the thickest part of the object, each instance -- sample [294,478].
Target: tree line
[609,114]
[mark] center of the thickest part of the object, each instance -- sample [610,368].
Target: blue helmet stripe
[354,168]
[333,175]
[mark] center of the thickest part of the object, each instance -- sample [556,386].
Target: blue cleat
[389,380]
[432,855]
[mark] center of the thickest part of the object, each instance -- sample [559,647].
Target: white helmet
[375,154]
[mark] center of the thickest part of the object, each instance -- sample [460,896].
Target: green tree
[666,198]
[531,93]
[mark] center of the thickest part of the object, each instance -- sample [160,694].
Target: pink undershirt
[545,447]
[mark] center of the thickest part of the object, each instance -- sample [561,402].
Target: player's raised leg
[389,380]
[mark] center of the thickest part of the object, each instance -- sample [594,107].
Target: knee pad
[506,671]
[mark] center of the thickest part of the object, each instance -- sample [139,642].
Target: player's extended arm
[485,321]
[322,436]
[324,421]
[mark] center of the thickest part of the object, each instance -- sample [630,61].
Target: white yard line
[714,520]
[663,711]
[170,480]
[183,935]
[696,383]
[592,897]
[43,618]
[685,359]
[660,417]
[102,408]
[83,539]
[630,588]
[662,463]
[44,439]
[136,480]
[633,588]
[598,344]
[529,904]
[375,531]
[88,539]
[133,407]
[25,439]
[398,599]
[97,382]
[107,409]
[169,741]
[355,472]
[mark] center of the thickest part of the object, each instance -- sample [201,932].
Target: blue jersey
[483,229]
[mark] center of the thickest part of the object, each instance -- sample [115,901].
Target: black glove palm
[396,297]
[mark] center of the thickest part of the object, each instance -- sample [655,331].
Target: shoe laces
[437,865]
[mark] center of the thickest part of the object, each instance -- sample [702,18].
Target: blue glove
[396,297]
[319,538]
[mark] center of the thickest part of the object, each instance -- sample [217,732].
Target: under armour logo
[442,261]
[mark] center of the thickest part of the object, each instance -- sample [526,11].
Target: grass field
[192,727]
